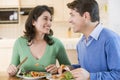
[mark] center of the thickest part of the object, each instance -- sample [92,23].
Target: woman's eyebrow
[47,17]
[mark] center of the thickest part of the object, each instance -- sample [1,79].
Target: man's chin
[75,31]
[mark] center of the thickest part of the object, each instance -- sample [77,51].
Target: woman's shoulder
[57,43]
[56,40]
[21,39]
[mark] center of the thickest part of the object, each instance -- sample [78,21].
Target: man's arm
[112,50]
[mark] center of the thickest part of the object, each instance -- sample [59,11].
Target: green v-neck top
[52,53]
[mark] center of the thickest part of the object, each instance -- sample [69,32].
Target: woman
[38,45]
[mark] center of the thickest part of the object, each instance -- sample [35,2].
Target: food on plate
[67,75]
[64,76]
[54,76]
[32,74]
[63,68]
[64,73]
[37,74]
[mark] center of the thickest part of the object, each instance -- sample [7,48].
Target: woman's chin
[47,32]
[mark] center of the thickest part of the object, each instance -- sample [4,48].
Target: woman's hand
[52,69]
[12,70]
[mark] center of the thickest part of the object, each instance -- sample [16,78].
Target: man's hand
[80,74]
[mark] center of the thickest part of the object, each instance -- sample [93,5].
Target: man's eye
[50,19]
[45,19]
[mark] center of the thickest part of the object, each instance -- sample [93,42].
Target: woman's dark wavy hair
[30,30]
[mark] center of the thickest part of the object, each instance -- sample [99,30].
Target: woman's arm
[61,54]
[12,69]
[15,54]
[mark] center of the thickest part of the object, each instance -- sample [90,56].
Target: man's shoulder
[107,33]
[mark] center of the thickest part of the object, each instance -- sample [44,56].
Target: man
[99,49]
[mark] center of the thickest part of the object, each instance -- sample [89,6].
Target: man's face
[77,21]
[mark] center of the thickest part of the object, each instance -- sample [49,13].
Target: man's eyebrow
[70,13]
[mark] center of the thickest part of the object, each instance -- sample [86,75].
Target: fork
[22,62]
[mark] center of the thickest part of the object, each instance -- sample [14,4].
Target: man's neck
[89,29]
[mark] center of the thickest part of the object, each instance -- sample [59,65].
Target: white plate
[49,77]
[32,78]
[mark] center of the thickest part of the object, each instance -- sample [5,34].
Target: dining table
[5,76]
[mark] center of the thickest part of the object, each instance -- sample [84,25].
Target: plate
[33,78]
[49,77]
[64,76]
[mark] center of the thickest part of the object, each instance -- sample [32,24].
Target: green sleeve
[61,55]
[15,55]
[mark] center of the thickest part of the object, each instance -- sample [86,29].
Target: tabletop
[5,76]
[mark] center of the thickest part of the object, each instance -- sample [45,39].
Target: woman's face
[43,23]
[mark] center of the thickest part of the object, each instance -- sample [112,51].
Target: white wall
[114,15]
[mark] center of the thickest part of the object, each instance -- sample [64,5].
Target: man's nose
[70,20]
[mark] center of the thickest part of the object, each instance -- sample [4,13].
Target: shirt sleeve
[15,55]
[76,66]
[112,50]
[61,55]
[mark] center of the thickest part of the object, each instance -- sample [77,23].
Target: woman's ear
[33,22]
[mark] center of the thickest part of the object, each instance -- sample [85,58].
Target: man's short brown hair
[82,6]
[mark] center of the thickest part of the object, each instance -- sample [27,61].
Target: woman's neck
[38,38]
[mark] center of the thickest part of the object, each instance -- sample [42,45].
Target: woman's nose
[49,23]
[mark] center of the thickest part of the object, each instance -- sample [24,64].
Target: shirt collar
[95,33]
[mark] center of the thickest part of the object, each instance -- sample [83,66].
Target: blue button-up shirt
[100,54]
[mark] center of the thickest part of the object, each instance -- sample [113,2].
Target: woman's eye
[45,19]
